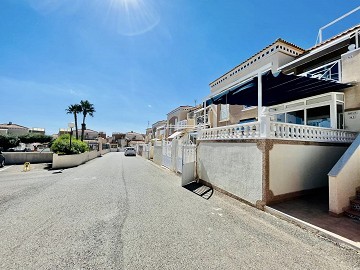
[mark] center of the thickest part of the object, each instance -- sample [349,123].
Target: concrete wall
[68,161]
[294,168]
[344,178]
[32,157]
[350,63]
[104,151]
[233,167]
[158,154]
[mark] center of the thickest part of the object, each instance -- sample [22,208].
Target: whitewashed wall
[294,168]
[68,161]
[344,178]
[158,154]
[233,167]
[32,157]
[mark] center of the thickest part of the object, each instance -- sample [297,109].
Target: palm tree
[74,109]
[86,108]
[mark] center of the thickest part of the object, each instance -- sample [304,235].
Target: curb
[330,235]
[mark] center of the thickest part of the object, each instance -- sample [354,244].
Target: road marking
[6,168]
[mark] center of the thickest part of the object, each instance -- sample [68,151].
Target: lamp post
[71,126]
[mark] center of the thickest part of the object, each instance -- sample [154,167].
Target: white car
[130,151]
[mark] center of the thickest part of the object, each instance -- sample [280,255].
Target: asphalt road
[119,212]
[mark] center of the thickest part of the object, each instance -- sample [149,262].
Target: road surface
[119,212]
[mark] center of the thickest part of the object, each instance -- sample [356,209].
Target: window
[296,117]
[340,115]
[319,116]
[312,111]
[224,112]
[279,117]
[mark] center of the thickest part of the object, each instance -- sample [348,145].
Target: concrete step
[352,213]
[355,203]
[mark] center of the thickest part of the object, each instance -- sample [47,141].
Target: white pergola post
[262,117]
[333,112]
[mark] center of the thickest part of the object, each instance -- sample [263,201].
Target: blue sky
[136,60]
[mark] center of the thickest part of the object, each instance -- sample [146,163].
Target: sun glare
[133,17]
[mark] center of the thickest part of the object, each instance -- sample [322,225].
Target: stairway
[354,210]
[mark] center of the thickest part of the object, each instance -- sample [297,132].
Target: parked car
[130,151]
[2,160]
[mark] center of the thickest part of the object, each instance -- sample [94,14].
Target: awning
[175,134]
[276,89]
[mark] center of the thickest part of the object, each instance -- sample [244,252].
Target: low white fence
[278,130]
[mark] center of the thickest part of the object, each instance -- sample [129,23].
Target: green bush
[35,138]
[8,141]
[62,145]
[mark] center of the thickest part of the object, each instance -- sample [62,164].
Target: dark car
[2,160]
[130,151]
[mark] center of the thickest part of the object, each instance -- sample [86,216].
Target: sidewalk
[312,212]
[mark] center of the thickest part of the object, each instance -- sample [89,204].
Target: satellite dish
[351,47]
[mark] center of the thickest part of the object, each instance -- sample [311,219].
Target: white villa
[285,116]
[277,126]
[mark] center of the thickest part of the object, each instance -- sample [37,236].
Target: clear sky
[136,60]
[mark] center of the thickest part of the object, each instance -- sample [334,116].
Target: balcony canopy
[276,89]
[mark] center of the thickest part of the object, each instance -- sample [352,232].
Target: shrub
[35,138]
[8,141]
[62,145]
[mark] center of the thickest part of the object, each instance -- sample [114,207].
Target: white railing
[277,130]
[182,125]
[239,131]
[287,131]
[326,72]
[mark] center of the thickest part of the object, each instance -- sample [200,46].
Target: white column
[263,118]
[333,114]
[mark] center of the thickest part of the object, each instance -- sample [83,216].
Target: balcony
[183,124]
[277,130]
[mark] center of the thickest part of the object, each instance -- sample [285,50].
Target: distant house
[148,135]
[177,118]
[89,134]
[134,138]
[102,134]
[13,129]
[119,139]
[37,131]
[158,130]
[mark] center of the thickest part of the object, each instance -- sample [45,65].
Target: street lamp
[71,126]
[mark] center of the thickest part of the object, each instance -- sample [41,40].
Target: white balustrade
[183,124]
[278,130]
[239,131]
[287,131]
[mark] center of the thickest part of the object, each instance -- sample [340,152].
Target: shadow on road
[199,189]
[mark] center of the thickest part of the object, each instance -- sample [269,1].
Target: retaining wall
[32,157]
[68,161]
